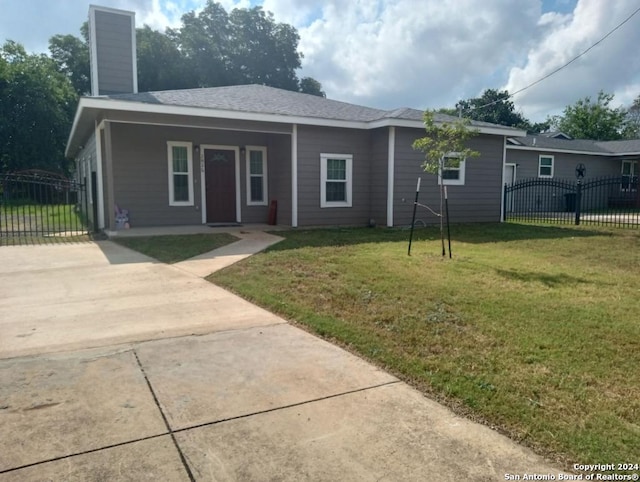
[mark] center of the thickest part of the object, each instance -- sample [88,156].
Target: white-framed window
[545,166]
[180,163]
[256,161]
[453,170]
[629,175]
[336,180]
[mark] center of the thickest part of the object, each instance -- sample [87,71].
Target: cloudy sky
[414,53]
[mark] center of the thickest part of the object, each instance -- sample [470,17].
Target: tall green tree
[592,119]
[37,104]
[211,48]
[71,56]
[632,121]
[493,106]
[309,85]
[161,66]
[263,51]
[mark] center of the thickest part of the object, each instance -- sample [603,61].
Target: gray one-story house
[252,154]
[557,155]
[223,154]
[549,164]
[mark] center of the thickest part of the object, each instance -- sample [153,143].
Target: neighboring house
[556,156]
[224,154]
[221,155]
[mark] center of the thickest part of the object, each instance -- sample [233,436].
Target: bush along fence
[610,200]
[40,204]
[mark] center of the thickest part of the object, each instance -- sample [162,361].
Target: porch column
[98,197]
[108,178]
[294,176]
[391,162]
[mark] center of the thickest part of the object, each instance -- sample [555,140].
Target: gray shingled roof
[584,145]
[258,99]
[620,147]
[269,100]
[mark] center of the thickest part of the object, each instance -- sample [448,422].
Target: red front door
[220,184]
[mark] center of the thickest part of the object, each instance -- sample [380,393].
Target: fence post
[504,203]
[578,201]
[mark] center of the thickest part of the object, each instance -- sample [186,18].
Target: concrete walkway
[115,367]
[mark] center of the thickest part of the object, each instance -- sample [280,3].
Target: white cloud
[416,53]
[611,66]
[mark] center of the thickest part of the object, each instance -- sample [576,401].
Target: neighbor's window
[453,170]
[256,158]
[545,166]
[335,182]
[630,175]
[180,173]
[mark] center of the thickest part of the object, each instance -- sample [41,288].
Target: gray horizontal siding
[379,168]
[279,165]
[140,170]
[479,200]
[564,164]
[313,141]
[114,52]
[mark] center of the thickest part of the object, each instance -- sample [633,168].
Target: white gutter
[572,151]
[102,103]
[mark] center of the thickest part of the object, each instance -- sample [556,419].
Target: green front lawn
[178,247]
[534,330]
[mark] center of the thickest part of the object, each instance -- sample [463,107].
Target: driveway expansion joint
[83,452]
[284,407]
[164,418]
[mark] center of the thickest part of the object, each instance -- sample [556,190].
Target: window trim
[462,168]
[265,192]
[348,181]
[189,147]
[540,166]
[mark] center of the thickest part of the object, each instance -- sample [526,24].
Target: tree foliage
[443,138]
[493,106]
[632,120]
[211,48]
[37,104]
[589,119]
[309,85]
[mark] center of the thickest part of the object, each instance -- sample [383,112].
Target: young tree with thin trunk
[444,147]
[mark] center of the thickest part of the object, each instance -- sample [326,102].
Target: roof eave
[95,104]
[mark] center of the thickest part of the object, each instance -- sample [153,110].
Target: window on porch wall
[180,173]
[256,159]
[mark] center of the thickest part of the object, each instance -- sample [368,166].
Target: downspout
[391,161]
[294,176]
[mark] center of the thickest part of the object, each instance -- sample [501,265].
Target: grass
[41,219]
[174,248]
[533,330]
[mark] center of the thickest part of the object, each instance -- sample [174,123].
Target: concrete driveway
[114,367]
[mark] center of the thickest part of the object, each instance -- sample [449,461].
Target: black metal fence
[610,200]
[40,204]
